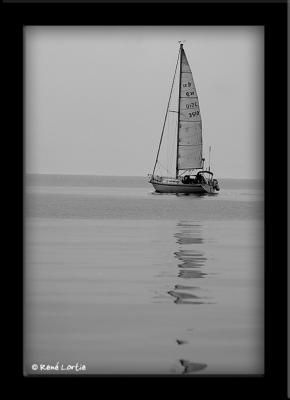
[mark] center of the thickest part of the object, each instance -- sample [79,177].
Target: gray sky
[95,97]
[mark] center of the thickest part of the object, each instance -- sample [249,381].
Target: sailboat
[190,175]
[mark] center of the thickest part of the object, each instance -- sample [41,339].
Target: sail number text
[192,105]
[193,114]
[188,84]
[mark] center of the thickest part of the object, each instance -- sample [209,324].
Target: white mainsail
[189,144]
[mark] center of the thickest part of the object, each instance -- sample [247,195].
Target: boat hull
[182,188]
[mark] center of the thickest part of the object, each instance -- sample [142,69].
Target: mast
[178,124]
[209,150]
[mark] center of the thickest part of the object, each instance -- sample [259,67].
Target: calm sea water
[123,280]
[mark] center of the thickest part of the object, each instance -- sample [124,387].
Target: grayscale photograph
[143,200]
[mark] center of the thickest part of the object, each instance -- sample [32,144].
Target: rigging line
[166,113]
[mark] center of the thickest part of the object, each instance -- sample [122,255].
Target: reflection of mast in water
[190,263]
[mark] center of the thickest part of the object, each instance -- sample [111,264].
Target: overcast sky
[95,97]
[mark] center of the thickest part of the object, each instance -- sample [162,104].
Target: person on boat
[185,179]
[200,178]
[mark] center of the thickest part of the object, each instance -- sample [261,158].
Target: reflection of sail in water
[190,263]
[192,366]
[187,238]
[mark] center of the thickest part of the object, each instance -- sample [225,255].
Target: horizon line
[121,176]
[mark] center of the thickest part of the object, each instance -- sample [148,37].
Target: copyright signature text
[77,367]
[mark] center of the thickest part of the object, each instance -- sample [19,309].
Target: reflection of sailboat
[189,141]
[190,262]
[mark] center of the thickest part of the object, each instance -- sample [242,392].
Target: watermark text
[77,367]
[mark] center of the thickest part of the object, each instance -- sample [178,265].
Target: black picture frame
[273,16]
